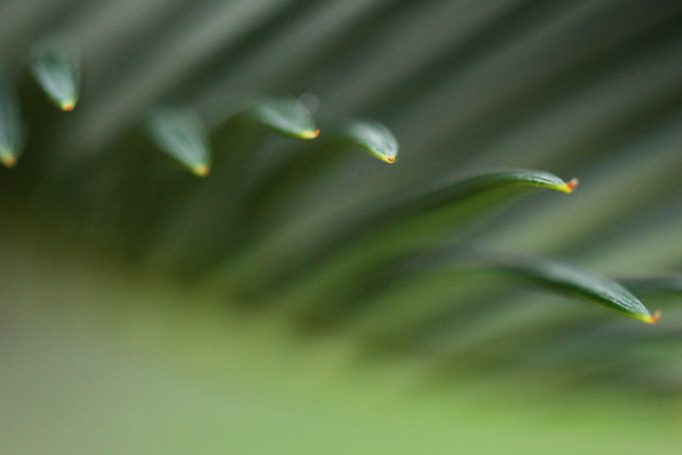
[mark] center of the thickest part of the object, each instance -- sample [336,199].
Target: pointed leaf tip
[570,186]
[373,137]
[286,116]
[56,68]
[574,279]
[538,179]
[201,170]
[650,318]
[8,160]
[182,135]
[310,134]
[68,106]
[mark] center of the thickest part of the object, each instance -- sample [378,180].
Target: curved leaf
[373,137]
[56,68]
[399,226]
[11,136]
[183,136]
[473,278]
[419,202]
[576,280]
[286,116]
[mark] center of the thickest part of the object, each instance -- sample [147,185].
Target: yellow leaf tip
[68,106]
[652,318]
[310,134]
[201,170]
[390,159]
[569,186]
[9,161]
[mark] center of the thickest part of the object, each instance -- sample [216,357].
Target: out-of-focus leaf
[183,136]
[56,68]
[402,225]
[655,285]
[289,117]
[299,170]
[10,124]
[423,201]
[373,137]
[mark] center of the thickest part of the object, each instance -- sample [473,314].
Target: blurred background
[145,310]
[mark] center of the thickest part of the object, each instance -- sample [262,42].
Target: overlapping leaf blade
[467,94]
[409,221]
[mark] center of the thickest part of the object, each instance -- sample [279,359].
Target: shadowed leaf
[409,221]
[10,124]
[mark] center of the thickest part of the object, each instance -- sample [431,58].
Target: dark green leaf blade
[11,135]
[498,179]
[286,116]
[422,202]
[577,280]
[56,68]
[414,219]
[182,135]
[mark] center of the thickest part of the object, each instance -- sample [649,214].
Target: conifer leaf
[11,140]
[576,280]
[409,221]
[372,137]
[286,116]
[419,202]
[182,135]
[56,68]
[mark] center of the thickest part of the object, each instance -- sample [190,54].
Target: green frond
[305,297]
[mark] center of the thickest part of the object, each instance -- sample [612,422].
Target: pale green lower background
[97,361]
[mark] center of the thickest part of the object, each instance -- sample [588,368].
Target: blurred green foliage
[304,298]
